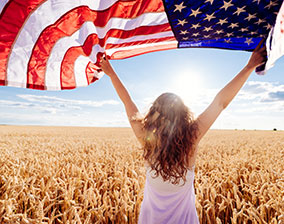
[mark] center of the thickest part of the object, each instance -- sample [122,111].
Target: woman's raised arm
[130,107]
[226,95]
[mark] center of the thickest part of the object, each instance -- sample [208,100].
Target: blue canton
[228,24]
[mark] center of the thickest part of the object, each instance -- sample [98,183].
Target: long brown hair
[170,133]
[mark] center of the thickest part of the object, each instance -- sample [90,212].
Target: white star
[179,7]
[271,4]
[183,32]
[253,32]
[207,29]
[209,17]
[260,21]
[182,22]
[227,5]
[228,40]
[222,21]
[248,41]
[250,16]
[207,36]
[194,12]
[239,10]
[211,1]
[258,1]
[196,39]
[185,38]
[195,34]
[195,26]
[229,34]
[244,29]
[233,25]
[219,31]
[268,26]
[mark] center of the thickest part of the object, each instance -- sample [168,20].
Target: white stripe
[48,13]
[80,71]
[2,4]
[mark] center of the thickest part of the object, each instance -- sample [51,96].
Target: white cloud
[66,102]
[27,106]
[49,110]
[262,91]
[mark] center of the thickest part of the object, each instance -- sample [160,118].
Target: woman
[170,135]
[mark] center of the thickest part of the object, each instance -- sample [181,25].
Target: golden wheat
[97,175]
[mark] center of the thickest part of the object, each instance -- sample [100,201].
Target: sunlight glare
[187,85]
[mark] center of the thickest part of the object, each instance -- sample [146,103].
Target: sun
[188,85]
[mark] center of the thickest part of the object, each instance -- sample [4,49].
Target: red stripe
[71,22]
[12,18]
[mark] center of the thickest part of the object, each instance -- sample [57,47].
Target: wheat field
[97,175]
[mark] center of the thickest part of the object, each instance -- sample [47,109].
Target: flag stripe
[80,67]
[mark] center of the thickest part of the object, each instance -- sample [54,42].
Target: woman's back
[165,202]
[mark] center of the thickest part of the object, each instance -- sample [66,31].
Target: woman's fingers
[259,45]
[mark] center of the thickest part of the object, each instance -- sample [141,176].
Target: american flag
[56,44]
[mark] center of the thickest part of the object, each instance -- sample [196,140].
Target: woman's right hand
[258,56]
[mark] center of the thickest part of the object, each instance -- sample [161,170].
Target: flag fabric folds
[57,44]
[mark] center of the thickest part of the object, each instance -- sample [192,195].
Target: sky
[195,74]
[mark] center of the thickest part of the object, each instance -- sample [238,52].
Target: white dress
[164,202]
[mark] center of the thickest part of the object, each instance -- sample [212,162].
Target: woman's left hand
[106,66]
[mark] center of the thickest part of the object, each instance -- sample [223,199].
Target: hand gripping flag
[56,44]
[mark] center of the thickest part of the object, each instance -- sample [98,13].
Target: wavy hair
[170,134]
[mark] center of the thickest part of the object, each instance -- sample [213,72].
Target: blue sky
[194,74]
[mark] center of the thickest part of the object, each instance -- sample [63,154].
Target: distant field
[96,175]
